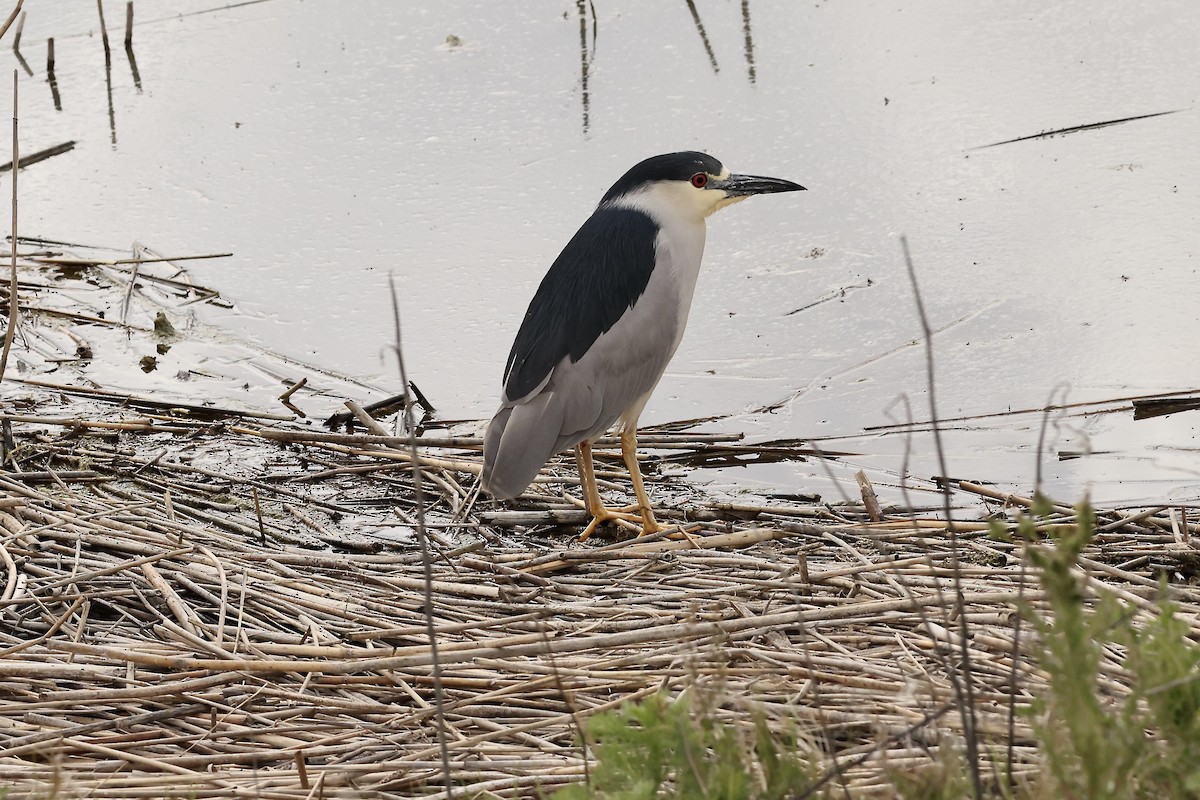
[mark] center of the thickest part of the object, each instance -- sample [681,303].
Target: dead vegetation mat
[212,601]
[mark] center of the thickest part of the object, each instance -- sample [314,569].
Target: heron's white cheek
[726,201]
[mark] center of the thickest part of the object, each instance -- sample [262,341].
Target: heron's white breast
[679,247]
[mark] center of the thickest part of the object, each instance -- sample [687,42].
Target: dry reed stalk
[103,28]
[12,15]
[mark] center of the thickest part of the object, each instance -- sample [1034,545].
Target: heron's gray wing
[599,275]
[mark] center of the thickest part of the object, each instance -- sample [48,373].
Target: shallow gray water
[330,144]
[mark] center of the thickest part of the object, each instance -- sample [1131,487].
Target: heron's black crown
[667,167]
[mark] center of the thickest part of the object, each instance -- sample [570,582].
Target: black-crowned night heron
[605,322]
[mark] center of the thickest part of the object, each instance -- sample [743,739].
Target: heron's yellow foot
[627,517]
[602,515]
[649,523]
[631,512]
[644,514]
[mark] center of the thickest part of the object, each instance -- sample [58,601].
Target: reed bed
[173,629]
[206,600]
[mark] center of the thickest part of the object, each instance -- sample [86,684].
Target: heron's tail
[519,440]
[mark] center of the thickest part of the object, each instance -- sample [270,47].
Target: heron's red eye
[700,180]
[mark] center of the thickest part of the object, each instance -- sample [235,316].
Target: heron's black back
[601,272]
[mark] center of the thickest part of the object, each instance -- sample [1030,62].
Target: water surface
[458,145]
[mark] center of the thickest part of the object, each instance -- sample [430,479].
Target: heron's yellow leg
[591,494]
[629,453]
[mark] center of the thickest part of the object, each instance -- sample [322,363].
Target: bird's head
[690,184]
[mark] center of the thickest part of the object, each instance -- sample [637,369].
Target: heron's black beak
[745,185]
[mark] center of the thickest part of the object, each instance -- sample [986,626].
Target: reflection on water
[24,64]
[712,58]
[52,63]
[584,8]
[133,68]
[112,115]
[586,12]
[50,75]
[748,39]
[16,46]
